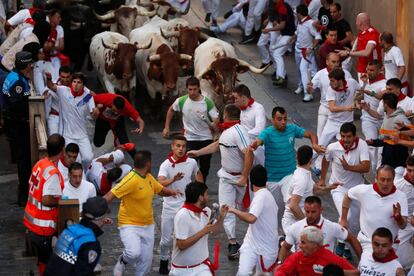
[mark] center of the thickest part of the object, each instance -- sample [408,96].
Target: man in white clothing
[381,204]
[237,18]
[211,7]
[332,231]
[252,116]
[254,19]
[350,160]
[260,245]
[192,225]
[236,162]
[307,38]
[382,260]
[69,157]
[75,104]
[175,173]
[77,187]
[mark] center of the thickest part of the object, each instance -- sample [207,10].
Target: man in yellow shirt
[135,217]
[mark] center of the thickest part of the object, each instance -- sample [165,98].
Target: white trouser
[303,66]
[167,228]
[278,49]
[138,246]
[211,6]
[259,155]
[287,220]
[329,132]
[249,260]
[323,112]
[263,44]
[232,195]
[234,20]
[405,251]
[53,124]
[200,270]
[370,130]
[347,64]
[353,212]
[279,191]
[181,7]
[56,66]
[85,150]
[254,15]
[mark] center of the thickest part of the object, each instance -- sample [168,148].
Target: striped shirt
[280,158]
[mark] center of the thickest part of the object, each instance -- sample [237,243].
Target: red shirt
[298,264]
[105,112]
[370,35]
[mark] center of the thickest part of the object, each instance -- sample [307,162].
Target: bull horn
[75,24]
[251,67]
[146,46]
[186,57]
[154,57]
[204,36]
[169,34]
[146,5]
[110,46]
[146,13]
[104,17]
[188,8]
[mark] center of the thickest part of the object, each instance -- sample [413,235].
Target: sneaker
[227,14]
[274,77]
[214,23]
[247,39]
[298,90]
[307,98]
[347,255]
[208,17]
[164,267]
[234,251]
[119,267]
[340,248]
[263,65]
[281,82]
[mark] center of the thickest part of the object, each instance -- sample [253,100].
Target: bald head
[333,61]
[363,21]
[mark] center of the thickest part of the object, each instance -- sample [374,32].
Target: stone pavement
[11,228]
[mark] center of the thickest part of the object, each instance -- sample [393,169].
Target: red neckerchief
[401,97]
[378,78]
[75,94]
[226,125]
[408,180]
[344,88]
[30,21]
[249,104]
[52,36]
[194,208]
[32,10]
[62,160]
[376,188]
[353,146]
[315,225]
[390,256]
[280,7]
[180,160]
[105,185]
[307,18]
[307,2]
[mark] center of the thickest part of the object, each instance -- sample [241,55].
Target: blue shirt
[280,158]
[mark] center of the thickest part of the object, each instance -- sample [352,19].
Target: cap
[118,156]
[95,207]
[23,58]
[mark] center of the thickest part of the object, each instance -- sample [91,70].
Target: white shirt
[306,33]
[377,211]
[85,190]
[73,112]
[189,168]
[300,184]
[194,119]
[332,232]
[187,224]
[232,143]
[393,58]
[406,105]
[349,179]
[369,267]
[408,189]
[26,31]
[52,186]
[254,119]
[343,99]
[64,171]
[321,81]
[9,58]
[97,169]
[19,17]
[377,87]
[262,236]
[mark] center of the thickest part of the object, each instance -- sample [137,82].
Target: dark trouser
[101,130]
[204,161]
[18,133]
[42,246]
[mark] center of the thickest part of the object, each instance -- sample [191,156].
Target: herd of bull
[145,51]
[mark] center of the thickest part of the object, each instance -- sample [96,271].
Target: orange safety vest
[40,219]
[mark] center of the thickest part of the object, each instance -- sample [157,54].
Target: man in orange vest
[45,189]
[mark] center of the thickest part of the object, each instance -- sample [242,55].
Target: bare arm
[351,272]
[355,244]
[244,216]
[335,109]
[109,197]
[347,39]
[168,192]
[295,208]
[362,167]
[210,149]
[184,244]
[363,53]
[165,181]
[401,72]
[199,177]
[284,251]
[345,208]
[52,86]
[168,118]
[314,140]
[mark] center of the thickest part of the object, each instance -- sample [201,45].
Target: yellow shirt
[136,193]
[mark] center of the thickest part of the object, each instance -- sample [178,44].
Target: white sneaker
[119,267]
[308,98]
[298,90]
